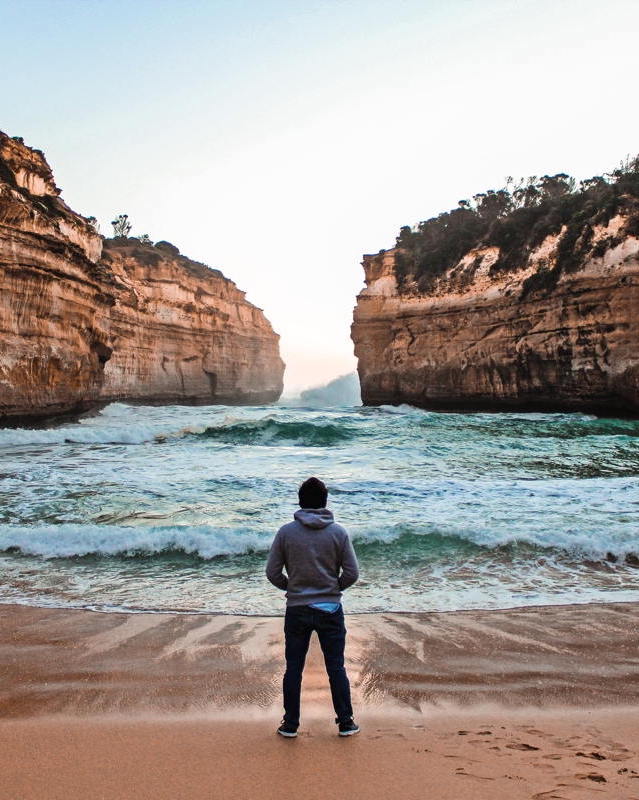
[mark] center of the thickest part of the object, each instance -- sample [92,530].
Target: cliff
[84,320]
[184,332]
[549,324]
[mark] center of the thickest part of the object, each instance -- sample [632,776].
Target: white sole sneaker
[288,735]
[349,733]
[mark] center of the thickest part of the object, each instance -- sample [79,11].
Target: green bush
[517,219]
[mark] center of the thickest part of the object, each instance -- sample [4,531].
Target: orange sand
[536,704]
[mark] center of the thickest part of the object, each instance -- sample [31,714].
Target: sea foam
[261,431]
[75,540]
[69,540]
[176,507]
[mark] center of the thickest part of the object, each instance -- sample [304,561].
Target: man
[320,563]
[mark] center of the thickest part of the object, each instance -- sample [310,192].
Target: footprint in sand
[597,756]
[545,767]
[620,753]
[591,776]
[530,730]
[563,743]
[521,746]
[385,734]
[461,772]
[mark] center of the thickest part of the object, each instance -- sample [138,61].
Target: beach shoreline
[56,660]
[521,703]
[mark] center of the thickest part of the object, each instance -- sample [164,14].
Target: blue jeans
[299,624]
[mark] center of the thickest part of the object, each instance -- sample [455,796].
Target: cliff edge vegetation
[516,220]
[524,297]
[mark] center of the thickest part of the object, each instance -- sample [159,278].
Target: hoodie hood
[314,517]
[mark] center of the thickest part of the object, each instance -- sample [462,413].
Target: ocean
[173,508]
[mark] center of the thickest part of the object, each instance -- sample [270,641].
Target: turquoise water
[173,508]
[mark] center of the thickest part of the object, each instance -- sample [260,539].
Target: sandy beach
[524,703]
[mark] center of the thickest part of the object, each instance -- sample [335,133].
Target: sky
[279,140]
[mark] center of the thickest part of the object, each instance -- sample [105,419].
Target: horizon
[280,143]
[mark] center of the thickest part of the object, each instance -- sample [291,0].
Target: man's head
[313,494]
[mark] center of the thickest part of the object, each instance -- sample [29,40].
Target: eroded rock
[84,320]
[479,340]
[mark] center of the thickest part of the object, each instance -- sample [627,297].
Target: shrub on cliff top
[517,219]
[167,247]
[121,226]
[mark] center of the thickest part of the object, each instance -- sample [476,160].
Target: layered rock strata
[182,331]
[478,340]
[84,320]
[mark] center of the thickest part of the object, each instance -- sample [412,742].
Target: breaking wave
[270,431]
[265,431]
[74,540]
[80,434]
[343,391]
[206,541]
[175,507]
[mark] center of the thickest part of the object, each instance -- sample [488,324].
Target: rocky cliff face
[479,339]
[80,325]
[182,331]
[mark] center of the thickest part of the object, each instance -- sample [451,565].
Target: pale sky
[279,140]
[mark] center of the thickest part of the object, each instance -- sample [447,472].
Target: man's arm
[350,568]
[275,564]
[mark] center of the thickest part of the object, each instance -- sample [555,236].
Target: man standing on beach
[320,563]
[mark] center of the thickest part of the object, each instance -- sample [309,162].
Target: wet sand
[525,703]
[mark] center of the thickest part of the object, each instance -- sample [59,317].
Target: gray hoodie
[318,557]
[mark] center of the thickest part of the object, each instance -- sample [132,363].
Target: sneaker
[287,729]
[348,728]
